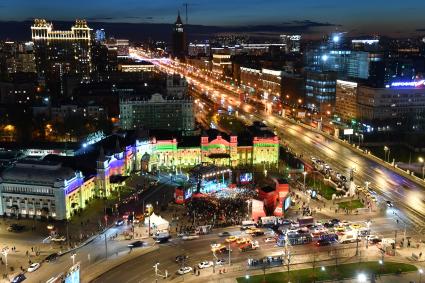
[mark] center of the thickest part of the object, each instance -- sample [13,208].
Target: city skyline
[306,16]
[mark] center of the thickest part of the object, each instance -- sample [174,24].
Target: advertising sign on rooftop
[413,84]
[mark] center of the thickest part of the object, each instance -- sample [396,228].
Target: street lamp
[421,160]
[149,208]
[73,258]
[305,174]
[420,274]
[386,150]
[367,183]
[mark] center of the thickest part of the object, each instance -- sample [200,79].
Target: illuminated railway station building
[98,169]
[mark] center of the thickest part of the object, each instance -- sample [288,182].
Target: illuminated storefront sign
[420,83]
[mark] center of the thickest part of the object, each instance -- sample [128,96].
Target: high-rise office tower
[61,54]
[179,46]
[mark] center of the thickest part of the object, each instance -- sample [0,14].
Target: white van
[348,238]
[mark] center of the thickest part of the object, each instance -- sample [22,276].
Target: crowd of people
[223,211]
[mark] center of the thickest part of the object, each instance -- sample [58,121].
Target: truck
[268,220]
[253,245]
[304,221]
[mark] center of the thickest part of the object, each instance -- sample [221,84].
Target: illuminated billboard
[420,83]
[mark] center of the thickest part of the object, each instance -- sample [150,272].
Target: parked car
[15,227]
[220,261]
[184,270]
[205,264]
[33,267]
[51,257]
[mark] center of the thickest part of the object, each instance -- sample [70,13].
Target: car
[356,226]
[220,261]
[339,229]
[373,239]
[258,233]
[231,239]
[33,267]
[119,222]
[224,234]
[270,240]
[162,240]
[18,278]
[58,238]
[205,264]
[180,258]
[184,270]
[136,244]
[324,242]
[222,249]
[15,227]
[51,257]
[242,241]
[389,203]
[286,222]
[328,225]
[335,221]
[190,237]
[215,245]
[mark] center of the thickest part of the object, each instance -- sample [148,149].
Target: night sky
[387,16]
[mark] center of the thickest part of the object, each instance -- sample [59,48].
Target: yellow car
[217,247]
[242,241]
[231,239]
[356,226]
[339,229]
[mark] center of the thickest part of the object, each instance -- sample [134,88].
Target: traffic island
[350,205]
[344,271]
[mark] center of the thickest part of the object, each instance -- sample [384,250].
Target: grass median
[350,205]
[343,271]
[323,189]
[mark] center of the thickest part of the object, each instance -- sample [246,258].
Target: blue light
[420,83]
[325,57]
[84,145]
[336,38]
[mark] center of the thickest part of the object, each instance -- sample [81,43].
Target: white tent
[156,222]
